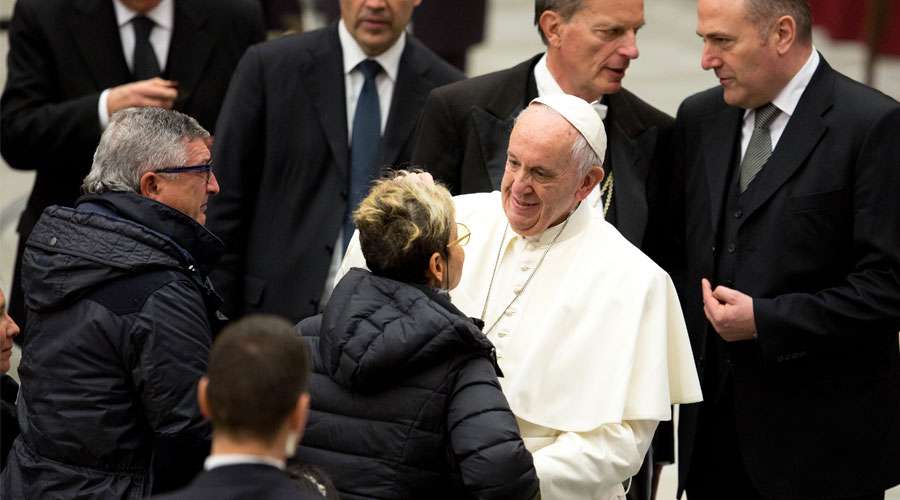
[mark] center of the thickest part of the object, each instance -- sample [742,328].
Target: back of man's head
[137,141]
[258,372]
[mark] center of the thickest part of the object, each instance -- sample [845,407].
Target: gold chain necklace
[525,285]
[606,189]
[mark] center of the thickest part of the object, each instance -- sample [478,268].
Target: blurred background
[860,38]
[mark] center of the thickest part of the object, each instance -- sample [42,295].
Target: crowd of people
[328,265]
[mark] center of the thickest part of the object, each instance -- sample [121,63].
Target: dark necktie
[365,147]
[760,147]
[145,63]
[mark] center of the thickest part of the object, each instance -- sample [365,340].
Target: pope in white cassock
[588,330]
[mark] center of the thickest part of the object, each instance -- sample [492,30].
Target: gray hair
[583,155]
[565,8]
[137,141]
[763,13]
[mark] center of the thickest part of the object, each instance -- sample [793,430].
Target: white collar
[353,54]
[577,221]
[787,100]
[223,459]
[547,85]
[163,14]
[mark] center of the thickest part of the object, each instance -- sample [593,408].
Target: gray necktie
[760,148]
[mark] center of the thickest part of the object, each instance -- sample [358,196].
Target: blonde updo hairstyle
[402,223]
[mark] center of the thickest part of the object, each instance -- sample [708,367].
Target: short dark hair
[565,8]
[258,368]
[764,12]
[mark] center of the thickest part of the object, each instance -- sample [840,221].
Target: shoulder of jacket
[128,294]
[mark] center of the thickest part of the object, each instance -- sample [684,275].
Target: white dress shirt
[160,38]
[354,79]
[786,102]
[223,459]
[594,348]
[547,85]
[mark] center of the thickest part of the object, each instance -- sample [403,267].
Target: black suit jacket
[464,131]
[817,395]
[64,53]
[242,482]
[282,161]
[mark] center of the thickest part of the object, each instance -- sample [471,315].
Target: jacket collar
[202,247]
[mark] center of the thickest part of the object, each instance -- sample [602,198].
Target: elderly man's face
[376,24]
[589,53]
[8,330]
[189,192]
[741,57]
[541,185]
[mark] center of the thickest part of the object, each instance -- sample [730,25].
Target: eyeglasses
[463,234]
[204,168]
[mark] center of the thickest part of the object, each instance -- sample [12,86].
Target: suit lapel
[189,49]
[720,137]
[494,123]
[96,33]
[628,140]
[800,137]
[324,77]
[410,90]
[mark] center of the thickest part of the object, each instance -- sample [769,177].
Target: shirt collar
[353,54]
[547,85]
[787,100]
[577,221]
[224,459]
[163,14]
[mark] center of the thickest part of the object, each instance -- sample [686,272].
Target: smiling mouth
[521,204]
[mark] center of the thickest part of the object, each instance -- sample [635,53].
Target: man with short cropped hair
[255,394]
[123,319]
[786,177]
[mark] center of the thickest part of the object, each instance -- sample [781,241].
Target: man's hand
[729,311]
[155,92]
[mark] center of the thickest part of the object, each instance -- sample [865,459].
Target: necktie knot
[143,25]
[765,115]
[369,68]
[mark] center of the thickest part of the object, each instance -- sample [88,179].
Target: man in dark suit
[464,129]
[255,393]
[791,272]
[72,64]
[290,173]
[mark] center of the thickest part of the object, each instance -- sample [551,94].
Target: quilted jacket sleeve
[484,436]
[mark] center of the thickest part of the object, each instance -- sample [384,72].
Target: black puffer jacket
[118,335]
[405,399]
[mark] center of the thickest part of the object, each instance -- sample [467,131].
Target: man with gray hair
[122,316]
[588,330]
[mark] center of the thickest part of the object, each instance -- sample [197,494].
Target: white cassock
[593,347]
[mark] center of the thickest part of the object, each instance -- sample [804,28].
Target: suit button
[731,247]
[728,283]
[738,213]
[344,194]
[329,249]
[714,249]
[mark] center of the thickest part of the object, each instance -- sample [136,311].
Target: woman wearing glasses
[405,397]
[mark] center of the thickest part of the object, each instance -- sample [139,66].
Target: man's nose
[212,186]
[709,59]
[629,46]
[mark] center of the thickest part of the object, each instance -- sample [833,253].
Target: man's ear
[150,185]
[591,179]
[785,34]
[550,23]
[436,269]
[202,400]
[298,417]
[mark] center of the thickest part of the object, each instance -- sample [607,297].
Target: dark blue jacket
[405,399]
